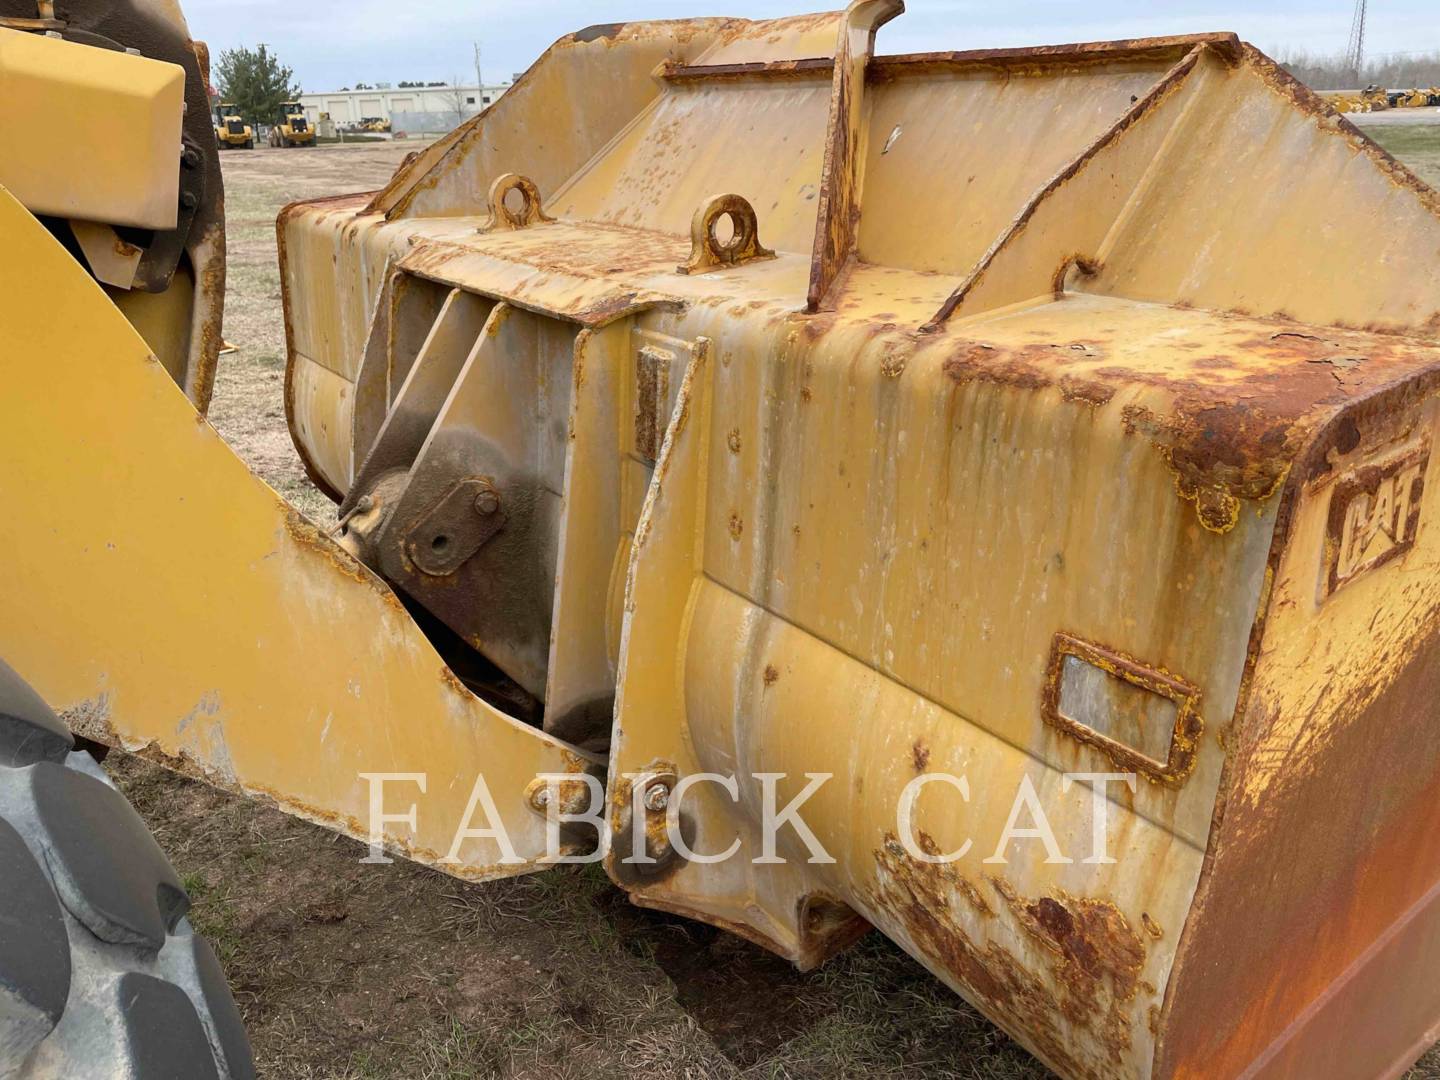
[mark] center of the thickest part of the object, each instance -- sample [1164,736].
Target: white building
[441,106]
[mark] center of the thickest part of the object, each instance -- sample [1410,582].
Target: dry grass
[352,972]
[348,971]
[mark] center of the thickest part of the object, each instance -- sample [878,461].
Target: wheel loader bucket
[982,496]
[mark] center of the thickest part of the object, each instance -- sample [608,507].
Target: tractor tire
[250,144]
[101,975]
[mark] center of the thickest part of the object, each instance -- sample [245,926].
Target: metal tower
[1355,54]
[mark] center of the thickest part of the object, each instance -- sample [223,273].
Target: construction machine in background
[915,437]
[1377,99]
[1408,99]
[231,130]
[1415,98]
[290,127]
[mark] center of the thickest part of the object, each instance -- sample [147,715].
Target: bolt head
[542,797]
[188,200]
[487,502]
[657,797]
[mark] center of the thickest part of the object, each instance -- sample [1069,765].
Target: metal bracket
[707,252]
[162,255]
[459,525]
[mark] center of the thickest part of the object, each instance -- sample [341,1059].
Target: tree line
[255,81]
[1333,73]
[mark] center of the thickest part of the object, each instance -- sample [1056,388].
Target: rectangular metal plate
[1143,718]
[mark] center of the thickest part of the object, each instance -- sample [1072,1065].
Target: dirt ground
[347,971]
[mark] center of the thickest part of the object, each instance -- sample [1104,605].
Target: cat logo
[1374,517]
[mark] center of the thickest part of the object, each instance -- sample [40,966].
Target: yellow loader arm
[163,598]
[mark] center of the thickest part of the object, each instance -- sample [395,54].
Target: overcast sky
[334,43]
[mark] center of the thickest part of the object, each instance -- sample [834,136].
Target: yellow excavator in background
[990,460]
[291,128]
[231,130]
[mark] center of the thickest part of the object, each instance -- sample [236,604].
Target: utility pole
[1355,54]
[479,79]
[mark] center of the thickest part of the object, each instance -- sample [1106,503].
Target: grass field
[398,972]
[1416,144]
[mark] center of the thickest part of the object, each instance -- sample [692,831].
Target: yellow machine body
[291,127]
[130,178]
[231,130]
[1029,424]
[122,126]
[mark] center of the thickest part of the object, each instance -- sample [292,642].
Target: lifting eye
[514,203]
[724,232]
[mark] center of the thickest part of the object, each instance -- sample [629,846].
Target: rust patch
[808,67]
[1339,900]
[707,252]
[207,260]
[1220,453]
[894,362]
[629,809]
[1073,1011]
[652,390]
[1015,368]
[1230,437]
[771,676]
[307,534]
[737,526]
[920,755]
[1087,266]
[1095,950]
[1085,391]
[1094,939]
[1043,58]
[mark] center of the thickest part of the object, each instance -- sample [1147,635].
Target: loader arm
[164,599]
